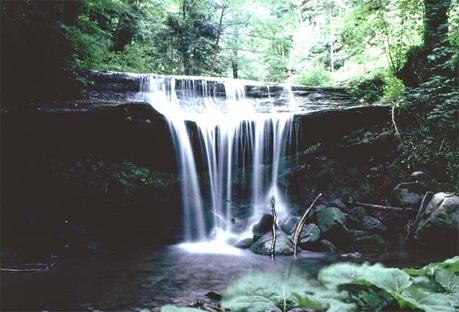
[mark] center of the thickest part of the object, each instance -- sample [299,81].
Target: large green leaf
[448,280]
[172,308]
[449,264]
[418,298]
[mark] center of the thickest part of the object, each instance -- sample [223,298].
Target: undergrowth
[348,287]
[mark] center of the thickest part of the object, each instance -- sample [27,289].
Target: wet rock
[337,203]
[284,245]
[419,176]
[409,194]
[264,225]
[440,222]
[358,212]
[373,225]
[352,255]
[309,233]
[320,246]
[289,224]
[244,243]
[353,221]
[212,295]
[207,306]
[332,225]
[330,217]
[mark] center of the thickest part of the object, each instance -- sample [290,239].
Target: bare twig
[300,225]
[395,125]
[427,197]
[273,242]
[385,208]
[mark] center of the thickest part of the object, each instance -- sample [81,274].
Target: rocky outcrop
[264,225]
[283,246]
[309,233]
[438,225]
[409,194]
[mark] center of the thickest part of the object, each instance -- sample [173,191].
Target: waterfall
[221,138]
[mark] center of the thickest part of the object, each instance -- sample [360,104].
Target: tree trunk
[217,41]
[234,65]
[436,22]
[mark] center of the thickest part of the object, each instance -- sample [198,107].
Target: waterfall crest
[223,138]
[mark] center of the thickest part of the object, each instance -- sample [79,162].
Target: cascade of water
[232,133]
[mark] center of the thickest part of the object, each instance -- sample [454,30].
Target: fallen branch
[300,225]
[385,208]
[427,197]
[273,242]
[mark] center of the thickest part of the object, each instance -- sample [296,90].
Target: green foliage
[97,175]
[329,217]
[317,76]
[351,287]
[393,87]
[429,142]
[368,89]
[259,292]
[171,308]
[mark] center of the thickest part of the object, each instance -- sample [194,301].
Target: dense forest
[307,42]
[154,153]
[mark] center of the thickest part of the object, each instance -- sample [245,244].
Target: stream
[153,276]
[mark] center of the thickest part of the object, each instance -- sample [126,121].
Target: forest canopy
[308,42]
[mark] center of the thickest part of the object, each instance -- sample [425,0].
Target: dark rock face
[438,226]
[244,243]
[419,176]
[284,245]
[320,246]
[373,225]
[364,242]
[264,225]
[289,224]
[309,233]
[409,194]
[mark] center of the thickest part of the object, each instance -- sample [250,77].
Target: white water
[231,138]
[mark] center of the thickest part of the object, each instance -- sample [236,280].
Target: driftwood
[422,208]
[300,225]
[32,267]
[273,242]
[385,208]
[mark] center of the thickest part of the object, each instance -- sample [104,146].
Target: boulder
[309,233]
[332,224]
[244,243]
[373,225]
[409,194]
[289,224]
[418,176]
[320,246]
[284,245]
[358,212]
[439,224]
[337,203]
[264,225]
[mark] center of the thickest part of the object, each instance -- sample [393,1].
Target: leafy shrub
[429,141]
[368,89]
[318,76]
[261,291]
[393,87]
[351,287]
